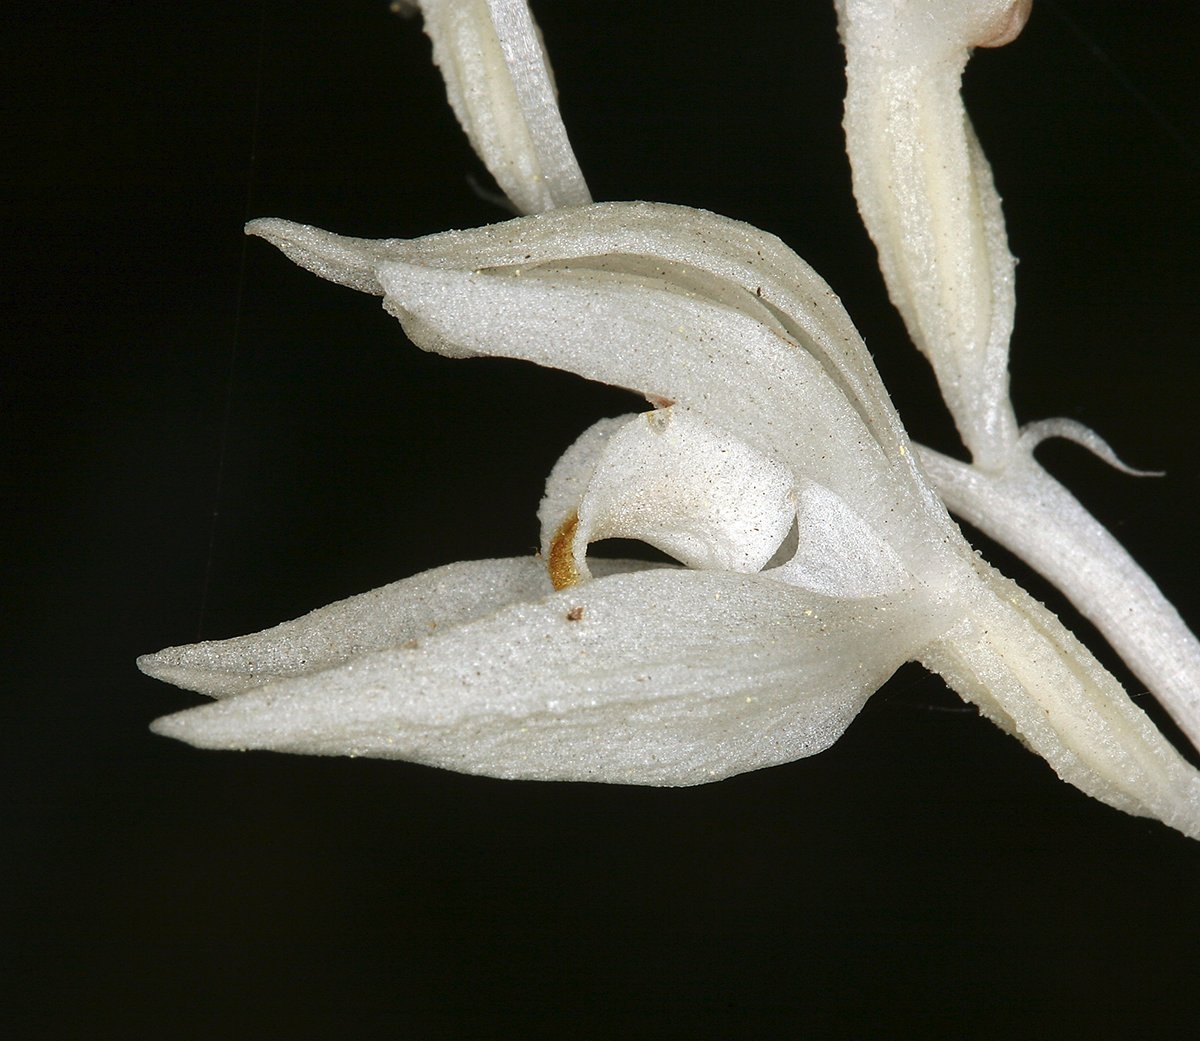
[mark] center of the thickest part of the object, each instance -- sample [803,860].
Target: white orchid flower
[773,466]
[927,197]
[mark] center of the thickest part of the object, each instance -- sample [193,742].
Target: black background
[201,440]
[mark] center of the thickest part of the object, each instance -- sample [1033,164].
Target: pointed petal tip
[191,668]
[158,664]
[167,726]
[212,726]
[259,226]
[347,261]
[192,726]
[280,230]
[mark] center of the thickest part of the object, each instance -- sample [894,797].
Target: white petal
[384,617]
[677,482]
[644,335]
[499,84]
[662,677]
[926,195]
[727,366]
[568,481]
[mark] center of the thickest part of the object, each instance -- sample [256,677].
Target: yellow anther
[561,562]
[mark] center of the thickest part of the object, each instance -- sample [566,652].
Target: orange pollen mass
[561,562]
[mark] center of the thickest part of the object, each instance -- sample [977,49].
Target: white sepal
[660,677]
[390,616]
[697,252]
[386,617]
[721,320]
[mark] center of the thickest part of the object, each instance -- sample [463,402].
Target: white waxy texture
[675,677]
[769,417]
[676,482]
[1030,676]
[727,260]
[1027,510]
[837,552]
[390,616]
[926,195]
[679,305]
[661,677]
[567,484]
[499,83]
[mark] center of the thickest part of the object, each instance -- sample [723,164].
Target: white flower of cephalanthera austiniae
[773,467]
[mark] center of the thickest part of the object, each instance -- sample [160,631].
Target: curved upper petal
[660,677]
[697,251]
[568,481]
